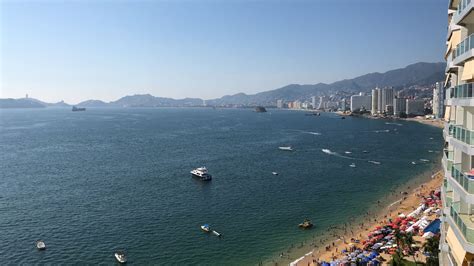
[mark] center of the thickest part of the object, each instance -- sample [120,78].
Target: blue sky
[81,50]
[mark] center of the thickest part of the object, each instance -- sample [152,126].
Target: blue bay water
[89,183]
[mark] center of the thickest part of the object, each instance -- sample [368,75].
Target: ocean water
[89,183]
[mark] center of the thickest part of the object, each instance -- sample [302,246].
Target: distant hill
[147,100]
[20,103]
[415,74]
[92,103]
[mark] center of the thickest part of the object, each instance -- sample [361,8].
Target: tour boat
[201,173]
[40,245]
[285,148]
[120,256]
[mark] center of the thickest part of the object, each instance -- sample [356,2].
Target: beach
[341,237]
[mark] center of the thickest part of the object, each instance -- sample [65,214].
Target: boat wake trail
[328,151]
[312,133]
[396,124]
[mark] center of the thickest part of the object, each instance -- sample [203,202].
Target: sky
[84,49]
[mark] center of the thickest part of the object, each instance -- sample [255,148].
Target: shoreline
[439,123]
[314,247]
[408,200]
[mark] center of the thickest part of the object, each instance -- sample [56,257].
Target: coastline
[407,199]
[439,123]
[388,206]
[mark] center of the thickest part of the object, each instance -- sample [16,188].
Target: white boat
[424,160]
[206,228]
[216,233]
[120,256]
[413,162]
[40,245]
[347,152]
[201,173]
[352,165]
[274,173]
[285,148]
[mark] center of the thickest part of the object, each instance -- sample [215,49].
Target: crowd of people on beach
[384,239]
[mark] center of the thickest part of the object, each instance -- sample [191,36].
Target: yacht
[120,256]
[206,228]
[285,148]
[40,245]
[201,173]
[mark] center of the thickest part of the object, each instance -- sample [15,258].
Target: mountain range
[421,74]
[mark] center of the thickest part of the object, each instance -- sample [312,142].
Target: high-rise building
[386,99]
[379,100]
[280,104]
[457,227]
[361,102]
[399,106]
[415,107]
[438,100]
[375,98]
[313,102]
[322,102]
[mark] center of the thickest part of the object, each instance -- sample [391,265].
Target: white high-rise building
[280,104]
[361,102]
[438,100]
[375,99]
[457,227]
[313,102]
[386,99]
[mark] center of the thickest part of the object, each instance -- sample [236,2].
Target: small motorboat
[306,224]
[365,151]
[424,160]
[285,148]
[413,162]
[352,165]
[120,256]
[347,152]
[206,228]
[274,173]
[216,233]
[40,245]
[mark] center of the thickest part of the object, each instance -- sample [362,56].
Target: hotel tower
[457,230]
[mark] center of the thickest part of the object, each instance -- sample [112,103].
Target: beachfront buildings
[438,100]
[457,230]
[399,106]
[375,98]
[415,107]
[361,102]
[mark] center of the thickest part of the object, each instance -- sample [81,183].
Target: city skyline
[51,51]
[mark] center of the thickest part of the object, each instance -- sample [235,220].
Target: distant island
[419,74]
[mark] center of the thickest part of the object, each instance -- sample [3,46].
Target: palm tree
[431,246]
[397,257]
[408,242]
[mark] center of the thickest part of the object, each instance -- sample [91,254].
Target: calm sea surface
[89,183]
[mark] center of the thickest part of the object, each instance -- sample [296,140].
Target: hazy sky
[108,49]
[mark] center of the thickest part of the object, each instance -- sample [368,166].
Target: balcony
[448,159]
[462,134]
[462,15]
[464,222]
[463,91]
[463,50]
[462,179]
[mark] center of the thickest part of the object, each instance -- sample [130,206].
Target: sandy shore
[430,122]
[407,202]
